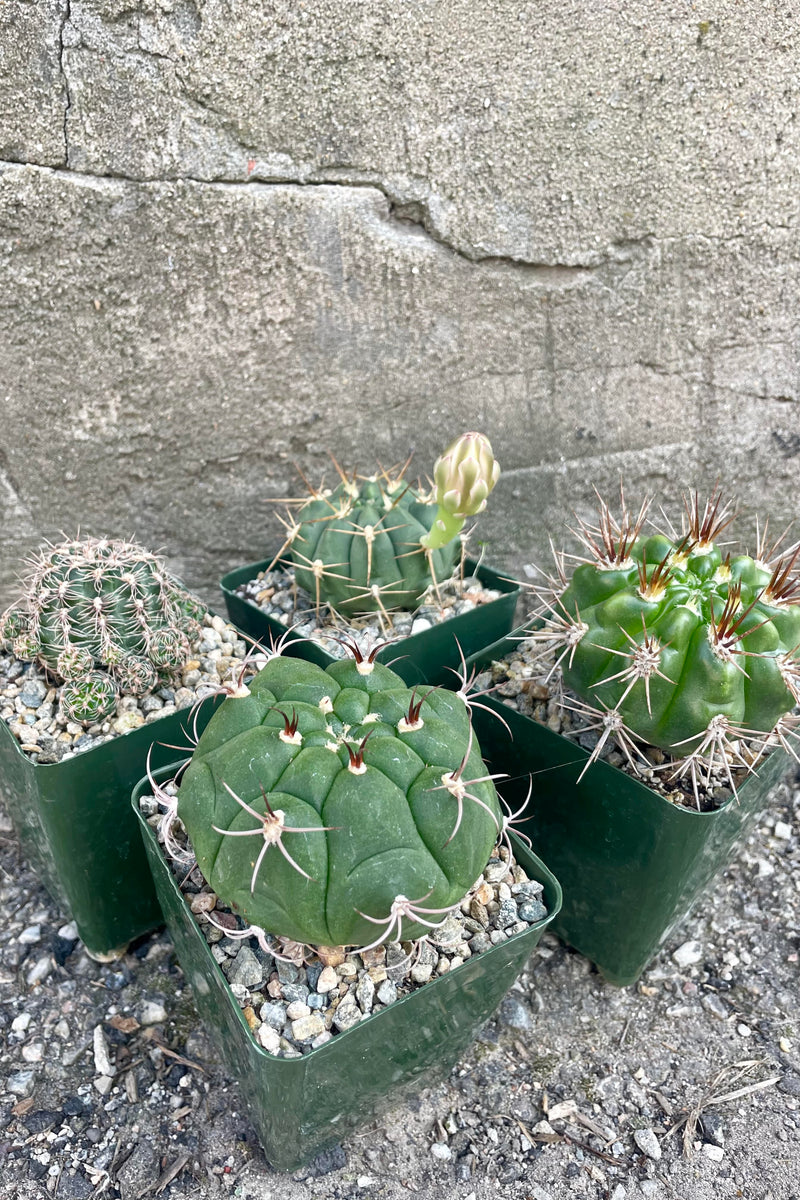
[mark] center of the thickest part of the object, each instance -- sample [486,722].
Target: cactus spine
[337,806]
[373,544]
[104,616]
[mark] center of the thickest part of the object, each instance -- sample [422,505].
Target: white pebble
[102,1061]
[328,980]
[782,830]
[151,1012]
[715,1153]
[39,971]
[687,954]
[269,1038]
[296,1010]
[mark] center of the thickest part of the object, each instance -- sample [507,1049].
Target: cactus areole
[376,544]
[673,639]
[337,806]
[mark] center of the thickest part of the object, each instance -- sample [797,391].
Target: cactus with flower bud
[103,616]
[668,640]
[374,544]
[338,806]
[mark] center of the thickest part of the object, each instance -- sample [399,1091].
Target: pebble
[297,1009]
[21,1083]
[328,980]
[128,721]
[305,1028]
[532,911]
[717,1007]
[782,830]
[387,992]
[347,1014]
[151,1012]
[515,1014]
[442,1151]
[246,970]
[365,993]
[712,1128]
[648,1143]
[715,1153]
[102,1062]
[268,1038]
[39,972]
[688,954]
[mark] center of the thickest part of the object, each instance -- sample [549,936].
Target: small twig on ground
[730,1074]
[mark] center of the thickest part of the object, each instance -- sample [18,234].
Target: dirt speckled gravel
[108,1087]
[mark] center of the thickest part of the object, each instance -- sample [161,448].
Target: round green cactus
[358,548]
[99,603]
[337,806]
[672,643]
[375,544]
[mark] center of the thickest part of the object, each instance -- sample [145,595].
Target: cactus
[373,544]
[670,641]
[104,616]
[337,806]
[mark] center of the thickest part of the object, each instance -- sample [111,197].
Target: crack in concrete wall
[549,273]
[65,76]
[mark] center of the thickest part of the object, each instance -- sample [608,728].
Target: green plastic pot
[631,864]
[76,829]
[421,658]
[301,1105]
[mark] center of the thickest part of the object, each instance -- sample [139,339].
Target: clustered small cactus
[105,617]
[337,806]
[669,640]
[374,544]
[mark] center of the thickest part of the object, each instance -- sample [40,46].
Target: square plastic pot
[301,1105]
[77,830]
[631,863]
[420,658]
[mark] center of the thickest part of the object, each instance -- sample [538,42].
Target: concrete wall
[236,235]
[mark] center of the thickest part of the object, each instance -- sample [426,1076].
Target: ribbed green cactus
[375,544]
[97,603]
[338,807]
[672,643]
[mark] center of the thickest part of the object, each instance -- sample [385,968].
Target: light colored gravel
[277,595]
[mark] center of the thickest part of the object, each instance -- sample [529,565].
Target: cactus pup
[668,640]
[103,616]
[374,543]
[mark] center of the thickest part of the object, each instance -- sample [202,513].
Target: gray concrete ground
[710,1033]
